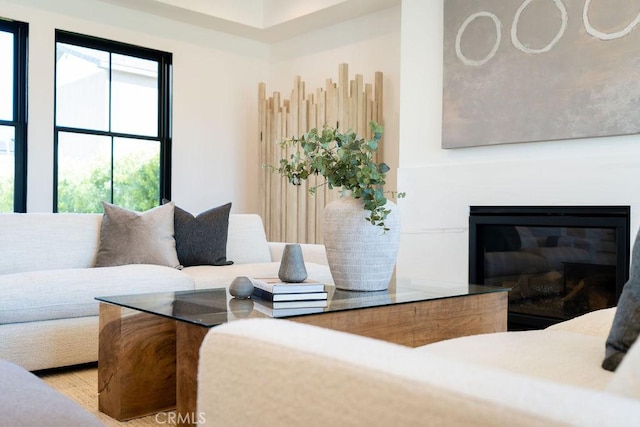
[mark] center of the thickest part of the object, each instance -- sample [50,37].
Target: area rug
[81,385]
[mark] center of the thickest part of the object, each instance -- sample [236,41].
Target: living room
[215,120]
[218,64]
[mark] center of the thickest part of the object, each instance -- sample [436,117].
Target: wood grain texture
[420,323]
[136,363]
[290,213]
[188,340]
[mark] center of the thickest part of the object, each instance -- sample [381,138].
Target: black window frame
[20,32]
[165,61]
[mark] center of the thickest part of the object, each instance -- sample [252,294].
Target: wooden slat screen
[289,212]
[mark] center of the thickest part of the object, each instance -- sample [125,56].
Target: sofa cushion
[29,401]
[626,323]
[557,356]
[207,276]
[202,239]
[59,294]
[129,237]
[50,343]
[46,241]
[247,241]
[597,323]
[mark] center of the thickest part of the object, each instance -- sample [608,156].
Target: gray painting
[536,70]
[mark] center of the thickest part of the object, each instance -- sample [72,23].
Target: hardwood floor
[81,385]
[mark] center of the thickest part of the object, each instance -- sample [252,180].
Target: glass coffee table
[149,343]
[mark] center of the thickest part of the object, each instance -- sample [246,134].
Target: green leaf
[344,160]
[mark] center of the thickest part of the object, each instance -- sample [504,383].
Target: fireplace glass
[558,262]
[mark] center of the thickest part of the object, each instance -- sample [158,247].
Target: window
[13,116]
[112,125]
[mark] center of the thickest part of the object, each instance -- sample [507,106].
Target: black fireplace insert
[559,261]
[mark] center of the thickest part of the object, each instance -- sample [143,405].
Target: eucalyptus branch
[343,160]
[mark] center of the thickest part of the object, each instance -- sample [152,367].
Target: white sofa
[48,311]
[278,372]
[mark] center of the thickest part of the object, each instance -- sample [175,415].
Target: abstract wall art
[539,70]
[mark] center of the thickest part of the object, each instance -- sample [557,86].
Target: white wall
[442,184]
[214,110]
[280,11]
[247,12]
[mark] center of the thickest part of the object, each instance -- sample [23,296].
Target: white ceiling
[264,20]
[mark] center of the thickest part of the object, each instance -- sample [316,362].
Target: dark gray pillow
[202,240]
[626,323]
[129,237]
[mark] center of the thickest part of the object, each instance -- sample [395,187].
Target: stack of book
[276,298]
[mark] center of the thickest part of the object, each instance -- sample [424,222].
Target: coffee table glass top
[211,307]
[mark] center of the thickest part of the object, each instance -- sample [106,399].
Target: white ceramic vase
[361,256]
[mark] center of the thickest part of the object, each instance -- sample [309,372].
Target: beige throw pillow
[129,237]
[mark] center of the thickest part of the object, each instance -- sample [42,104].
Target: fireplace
[559,261]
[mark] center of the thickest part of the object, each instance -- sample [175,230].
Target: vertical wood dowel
[290,213]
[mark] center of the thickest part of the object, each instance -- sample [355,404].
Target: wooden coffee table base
[148,364]
[136,363]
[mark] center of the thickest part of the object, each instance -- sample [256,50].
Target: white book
[285,312]
[277,286]
[276,305]
[300,296]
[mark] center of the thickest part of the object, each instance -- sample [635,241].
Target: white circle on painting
[494,49]
[605,36]
[516,19]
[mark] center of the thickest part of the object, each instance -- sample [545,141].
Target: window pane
[82,87]
[136,173]
[84,172]
[134,95]
[7,167]
[6,76]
